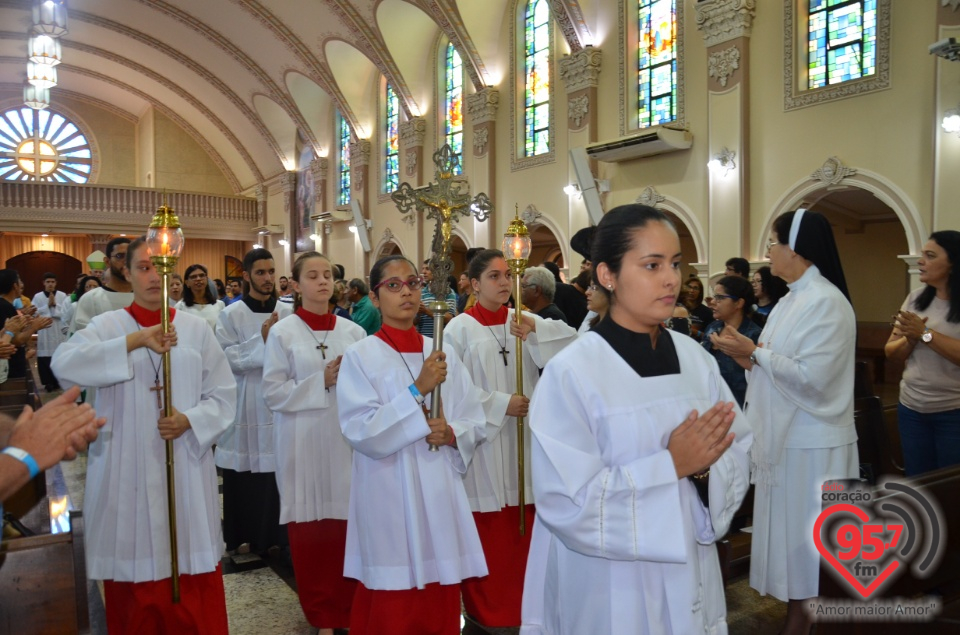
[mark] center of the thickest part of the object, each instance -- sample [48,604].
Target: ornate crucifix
[444,201]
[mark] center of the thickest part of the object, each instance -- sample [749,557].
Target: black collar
[637,351]
[259,306]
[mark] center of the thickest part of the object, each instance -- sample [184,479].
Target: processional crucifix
[444,201]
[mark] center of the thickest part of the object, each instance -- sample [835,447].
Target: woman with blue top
[732,306]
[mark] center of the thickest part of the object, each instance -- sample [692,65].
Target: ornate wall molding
[411,160]
[482,106]
[724,20]
[530,214]
[581,69]
[320,167]
[577,110]
[650,197]
[447,17]
[832,172]
[360,151]
[413,132]
[722,64]
[794,73]
[572,24]
[481,137]
[261,191]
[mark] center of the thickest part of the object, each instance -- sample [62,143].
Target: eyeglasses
[197,276]
[721,296]
[592,287]
[772,244]
[395,285]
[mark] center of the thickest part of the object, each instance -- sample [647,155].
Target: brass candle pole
[164,243]
[442,201]
[516,250]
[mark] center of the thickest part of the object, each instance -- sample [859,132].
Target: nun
[799,402]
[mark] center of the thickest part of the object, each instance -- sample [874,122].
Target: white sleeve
[549,339]
[217,407]
[282,391]
[494,402]
[243,356]
[87,360]
[618,512]
[371,426]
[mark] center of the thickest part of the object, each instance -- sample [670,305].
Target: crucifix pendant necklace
[397,348]
[321,346]
[157,388]
[503,347]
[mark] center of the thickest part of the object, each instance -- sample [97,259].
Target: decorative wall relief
[577,110]
[650,197]
[832,172]
[725,20]
[722,65]
[480,138]
[411,160]
[581,69]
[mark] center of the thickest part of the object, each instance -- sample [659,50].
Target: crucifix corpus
[444,202]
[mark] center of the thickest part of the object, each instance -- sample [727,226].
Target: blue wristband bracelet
[11,334]
[416,393]
[25,458]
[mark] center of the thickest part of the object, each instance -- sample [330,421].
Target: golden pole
[516,250]
[165,240]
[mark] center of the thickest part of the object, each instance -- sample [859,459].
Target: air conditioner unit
[332,217]
[656,140]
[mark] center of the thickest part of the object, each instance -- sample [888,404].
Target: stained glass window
[656,62]
[343,196]
[453,103]
[40,145]
[842,39]
[391,166]
[537,74]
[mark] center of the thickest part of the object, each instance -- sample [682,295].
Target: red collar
[488,318]
[146,317]
[315,321]
[408,341]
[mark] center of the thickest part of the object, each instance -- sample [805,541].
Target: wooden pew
[43,583]
[945,581]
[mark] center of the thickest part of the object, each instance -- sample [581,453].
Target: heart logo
[829,556]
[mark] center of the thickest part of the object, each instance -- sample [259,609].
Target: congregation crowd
[651,407]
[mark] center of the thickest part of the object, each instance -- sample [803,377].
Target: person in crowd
[198,299]
[571,302]
[84,283]
[221,289]
[339,273]
[300,370]
[342,291]
[245,453]
[410,538]
[768,289]
[176,288]
[425,315]
[738,267]
[11,288]
[733,307]
[926,335]
[800,405]
[286,291]
[639,457]
[234,291]
[463,292]
[51,304]
[537,291]
[362,310]
[115,291]
[598,306]
[333,304]
[36,441]
[119,354]
[484,339]
[581,282]
[692,298]
[471,296]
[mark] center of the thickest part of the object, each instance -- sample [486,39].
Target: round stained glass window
[39,145]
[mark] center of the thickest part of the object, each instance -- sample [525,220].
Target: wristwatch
[927,336]
[753,358]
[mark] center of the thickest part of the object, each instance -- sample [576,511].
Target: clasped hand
[700,440]
[909,325]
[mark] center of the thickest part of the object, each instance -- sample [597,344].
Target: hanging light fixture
[36,98]
[50,17]
[43,49]
[41,75]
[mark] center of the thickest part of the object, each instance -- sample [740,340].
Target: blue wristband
[11,334]
[25,458]
[416,393]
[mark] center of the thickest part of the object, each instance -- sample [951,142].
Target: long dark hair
[82,285]
[741,289]
[773,286]
[949,241]
[614,237]
[481,261]
[188,299]
[815,243]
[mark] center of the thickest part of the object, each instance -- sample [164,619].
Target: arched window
[343,167]
[842,39]
[453,103]
[656,62]
[391,163]
[41,145]
[536,27]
